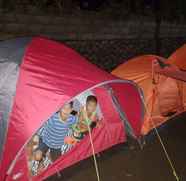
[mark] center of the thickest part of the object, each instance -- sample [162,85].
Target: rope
[163,146]
[167,155]
[94,156]
[92,146]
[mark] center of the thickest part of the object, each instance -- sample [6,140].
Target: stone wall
[107,54]
[105,41]
[84,27]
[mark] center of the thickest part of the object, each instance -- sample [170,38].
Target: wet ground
[127,162]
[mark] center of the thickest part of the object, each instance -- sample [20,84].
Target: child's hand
[69,140]
[36,139]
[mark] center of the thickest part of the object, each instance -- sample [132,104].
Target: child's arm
[81,117]
[94,117]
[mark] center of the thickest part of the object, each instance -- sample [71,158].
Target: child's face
[66,110]
[91,106]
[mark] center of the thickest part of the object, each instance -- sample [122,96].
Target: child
[87,118]
[54,132]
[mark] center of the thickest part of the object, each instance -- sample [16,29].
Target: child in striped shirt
[54,132]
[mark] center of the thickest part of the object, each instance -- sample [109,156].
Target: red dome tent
[49,75]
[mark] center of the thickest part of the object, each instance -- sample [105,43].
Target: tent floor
[128,162]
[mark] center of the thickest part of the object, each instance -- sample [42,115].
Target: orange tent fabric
[163,93]
[170,71]
[178,58]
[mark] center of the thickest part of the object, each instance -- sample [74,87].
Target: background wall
[103,40]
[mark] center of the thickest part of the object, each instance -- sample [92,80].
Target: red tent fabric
[51,74]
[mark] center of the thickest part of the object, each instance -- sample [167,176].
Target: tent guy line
[172,167]
[94,155]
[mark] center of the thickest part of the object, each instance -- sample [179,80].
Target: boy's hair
[91,98]
[71,104]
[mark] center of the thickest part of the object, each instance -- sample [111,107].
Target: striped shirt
[56,129]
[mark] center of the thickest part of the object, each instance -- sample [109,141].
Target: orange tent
[178,58]
[162,85]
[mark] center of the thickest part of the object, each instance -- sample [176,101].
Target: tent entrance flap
[128,129]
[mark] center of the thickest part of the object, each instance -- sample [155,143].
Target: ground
[130,163]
